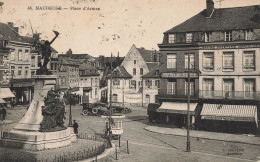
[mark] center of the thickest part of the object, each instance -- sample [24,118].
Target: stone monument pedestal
[26,134]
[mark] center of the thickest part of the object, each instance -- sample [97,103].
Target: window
[26,71]
[192,61]
[12,54]
[132,84]
[141,71]
[12,70]
[228,36]
[157,83]
[134,61]
[147,98]
[208,61]
[96,81]
[157,72]
[207,36]
[228,88]
[33,61]
[134,71]
[32,73]
[228,61]
[116,83]
[149,84]
[248,34]
[208,87]
[19,70]
[20,55]
[51,66]
[91,81]
[192,88]
[171,61]
[172,38]
[171,87]
[96,92]
[188,37]
[249,60]
[26,55]
[249,88]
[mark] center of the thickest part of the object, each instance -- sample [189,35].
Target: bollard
[127,147]
[116,153]
[119,141]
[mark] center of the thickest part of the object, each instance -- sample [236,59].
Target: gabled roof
[120,72]
[146,54]
[86,66]
[221,19]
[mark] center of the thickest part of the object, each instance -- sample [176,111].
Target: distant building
[127,85]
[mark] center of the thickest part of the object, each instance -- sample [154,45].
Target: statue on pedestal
[53,113]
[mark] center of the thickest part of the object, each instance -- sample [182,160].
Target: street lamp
[70,115]
[188,112]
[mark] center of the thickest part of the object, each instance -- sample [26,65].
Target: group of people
[3,114]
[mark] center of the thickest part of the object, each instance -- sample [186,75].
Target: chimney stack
[10,24]
[210,7]
[16,29]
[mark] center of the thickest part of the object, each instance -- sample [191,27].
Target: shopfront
[229,118]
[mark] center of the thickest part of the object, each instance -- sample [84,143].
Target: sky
[115,27]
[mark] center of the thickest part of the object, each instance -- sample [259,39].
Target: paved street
[150,146]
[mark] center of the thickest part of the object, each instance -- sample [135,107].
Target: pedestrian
[75,126]
[3,113]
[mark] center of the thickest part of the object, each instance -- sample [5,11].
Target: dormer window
[188,37]
[172,38]
[207,36]
[248,34]
[156,72]
[228,36]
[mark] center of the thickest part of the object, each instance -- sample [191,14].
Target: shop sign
[230,46]
[228,118]
[179,75]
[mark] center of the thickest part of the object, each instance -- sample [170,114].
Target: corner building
[224,49]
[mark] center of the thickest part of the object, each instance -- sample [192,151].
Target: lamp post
[188,112]
[70,115]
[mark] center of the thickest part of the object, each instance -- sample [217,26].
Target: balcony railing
[182,93]
[244,95]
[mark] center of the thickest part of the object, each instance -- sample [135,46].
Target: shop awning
[77,92]
[6,93]
[177,108]
[229,112]
[2,101]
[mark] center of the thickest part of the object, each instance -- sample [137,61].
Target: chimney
[210,7]
[10,24]
[16,29]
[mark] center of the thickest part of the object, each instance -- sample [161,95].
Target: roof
[8,33]
[120,72]
[152,65]
[146,54]
[222,19]
[86,67]
[152,72]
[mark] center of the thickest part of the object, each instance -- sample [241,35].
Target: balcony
[177,94]
[236,95]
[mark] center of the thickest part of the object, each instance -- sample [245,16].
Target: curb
[145,128]
[106,153]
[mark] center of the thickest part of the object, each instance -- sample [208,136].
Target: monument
[42,126]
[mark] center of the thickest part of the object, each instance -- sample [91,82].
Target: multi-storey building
[89,86]
[17,64]
[137,63]
[224,46]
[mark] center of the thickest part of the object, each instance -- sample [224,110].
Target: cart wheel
[95,110]
[123,111]
[85,113]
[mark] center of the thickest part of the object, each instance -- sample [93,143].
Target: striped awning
[6,93]
[246,113]
[177,108]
